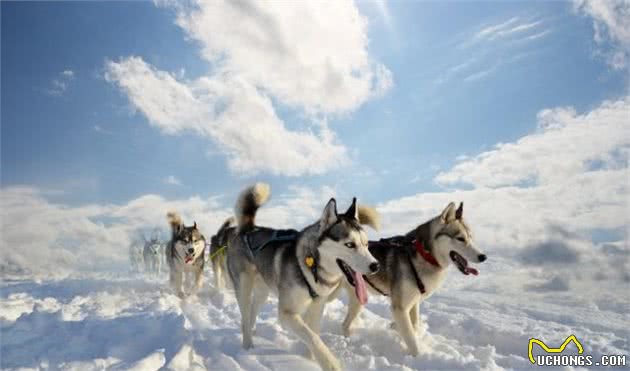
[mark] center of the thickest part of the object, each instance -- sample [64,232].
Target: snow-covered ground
[124,321]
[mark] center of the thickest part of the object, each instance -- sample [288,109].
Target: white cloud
[172,180]
[510,28]
[306,54]
[232,113]
[611,23]
[566,144]
[60,84]
[309,56]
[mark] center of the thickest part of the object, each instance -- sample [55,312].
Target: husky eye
[461,239]
[351,245]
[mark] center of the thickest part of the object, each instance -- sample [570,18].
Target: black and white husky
[184,254]
[414,266]
[302,267]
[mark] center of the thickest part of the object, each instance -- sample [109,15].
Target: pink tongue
[188,259]
[471,270]
[359,288]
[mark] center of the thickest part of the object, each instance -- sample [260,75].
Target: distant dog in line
[414,266]
[184,254]
[302,267]
[152,254]
[218,251]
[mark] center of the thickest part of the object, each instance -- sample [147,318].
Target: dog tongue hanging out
[184,253]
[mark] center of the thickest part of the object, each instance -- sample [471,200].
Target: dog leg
[198,281]
[261,292]
[313,342]
[414,317]
[176,283]
[218,273]
[403,325]
[244,298]
[313,319]
[354,308]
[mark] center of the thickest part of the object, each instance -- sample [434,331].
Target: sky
[114,113]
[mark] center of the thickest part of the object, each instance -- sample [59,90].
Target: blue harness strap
[278,235]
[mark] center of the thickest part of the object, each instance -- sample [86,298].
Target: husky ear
[329,216]
[460,211]
[194,225]
[448,213]
[353,211]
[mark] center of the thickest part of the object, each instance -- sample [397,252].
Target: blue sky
[87,141]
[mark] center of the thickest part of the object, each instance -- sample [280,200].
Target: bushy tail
[248,202]
[174,220]
[369,216]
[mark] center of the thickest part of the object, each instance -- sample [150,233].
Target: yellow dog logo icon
[544,346]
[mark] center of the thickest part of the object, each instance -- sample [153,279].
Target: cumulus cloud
[566,144]
[309,56]
[306,54]
[611,23]
[40,236]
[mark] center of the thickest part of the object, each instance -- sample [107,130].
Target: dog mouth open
[462,264]
[356,280]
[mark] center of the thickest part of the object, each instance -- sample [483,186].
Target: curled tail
[229,222]
[174,220]
[248,202]
[369,216]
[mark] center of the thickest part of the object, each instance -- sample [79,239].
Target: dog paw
[413,351]
[247,344]
[332,365]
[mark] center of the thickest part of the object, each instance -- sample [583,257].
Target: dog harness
[283,235]
[278,235]
[400,241]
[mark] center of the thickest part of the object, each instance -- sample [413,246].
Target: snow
[95,321]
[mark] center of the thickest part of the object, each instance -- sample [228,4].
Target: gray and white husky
[303,269]
[184,254]
[153,254]
[414,266]
[218,251]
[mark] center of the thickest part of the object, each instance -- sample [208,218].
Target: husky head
[188,241]
[453,241]
[343,245]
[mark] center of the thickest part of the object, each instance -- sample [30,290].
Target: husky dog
[414,267]
[184,253]
[303,269]
[152,254]
[218,251]
[135,256]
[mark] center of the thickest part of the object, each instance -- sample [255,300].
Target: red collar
[425,254]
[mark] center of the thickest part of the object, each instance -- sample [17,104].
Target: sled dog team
[305,269]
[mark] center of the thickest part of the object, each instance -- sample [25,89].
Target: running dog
[152,254]
[184,253]
[302,267]
[414,266]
